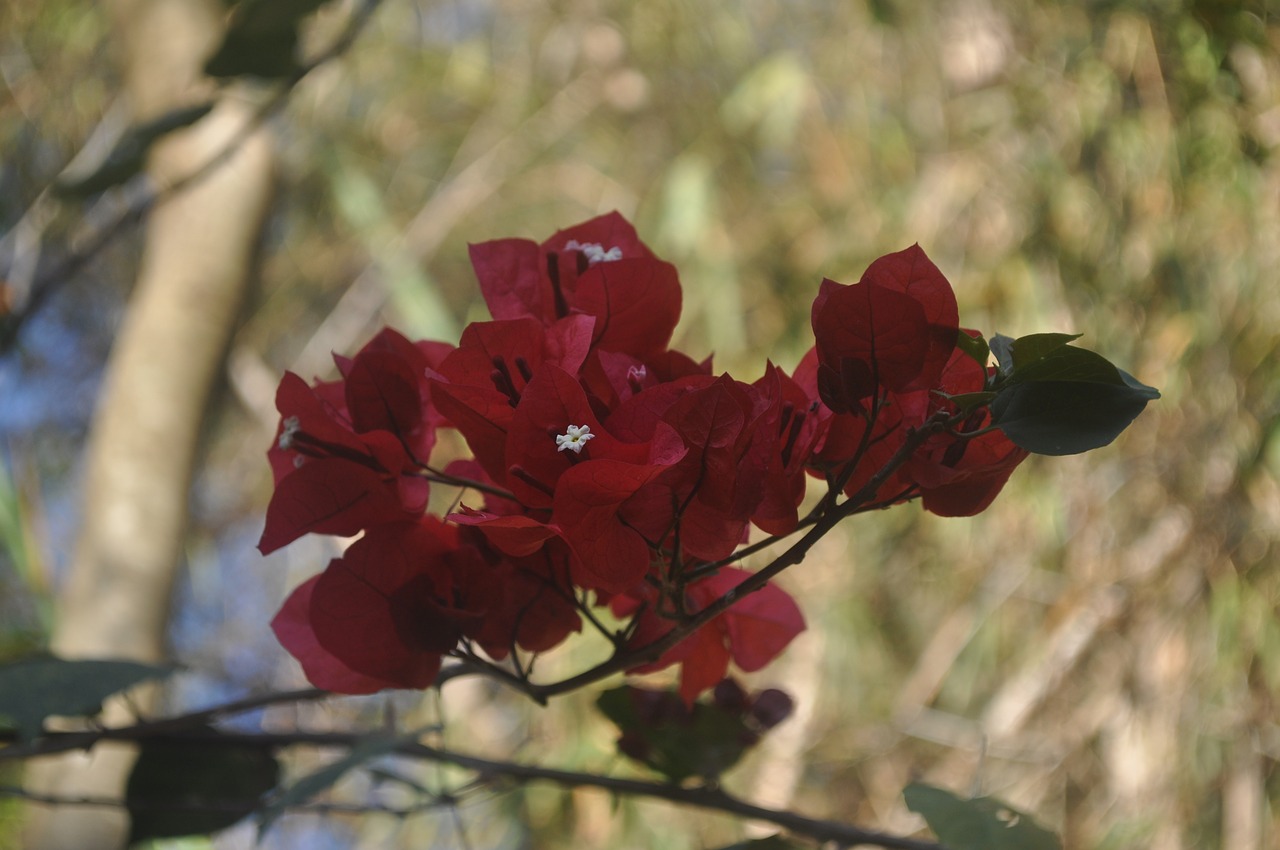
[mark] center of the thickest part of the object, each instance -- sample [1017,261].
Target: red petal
[292,626]
[328,496]
[513,279]
[868,337]
[610,556]
[636,304]
[910,271]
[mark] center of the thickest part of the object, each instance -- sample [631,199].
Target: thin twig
[71,264]
[706,797]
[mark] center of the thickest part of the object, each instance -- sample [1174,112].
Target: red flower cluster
[608,464]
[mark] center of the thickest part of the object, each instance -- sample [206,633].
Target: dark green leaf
[974,346]
[1069,364]
[773,842]
[129,156]
[1065,417]
[259,16]
[269,55]
[978,824]
[678,742]
[1068,417]
[195,787]
[1026,350]
[1056,399]
[313,783]
[35,688]
[261,40]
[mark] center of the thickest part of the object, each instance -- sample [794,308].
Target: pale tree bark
[140,456]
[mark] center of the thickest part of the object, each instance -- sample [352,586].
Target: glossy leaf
[195,787]
[1056,399]
[1056,417]
[982,823]
[35,688]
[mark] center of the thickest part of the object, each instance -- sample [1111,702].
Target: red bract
[604,463]
[292,626]
[957,475]
[751,633]
[331,479]
[893,330]
[791,420]
[399,598]
[402,596]
[479,385]
[599,268]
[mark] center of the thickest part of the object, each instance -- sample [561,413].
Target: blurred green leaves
[129,155]
[196,786]
[981,823]
[261,39]
[35,688]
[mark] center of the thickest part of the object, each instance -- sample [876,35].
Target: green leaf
[982,823]
[974,346]
[261,40]
[1065,417]
[313,783]
[35,688]
[197,786]
[129,156]
[1056,399]
[772,842]
[1026,350]
[678,742]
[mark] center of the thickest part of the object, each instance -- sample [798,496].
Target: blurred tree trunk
[194,270]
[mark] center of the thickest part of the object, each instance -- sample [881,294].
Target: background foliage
[1101,648]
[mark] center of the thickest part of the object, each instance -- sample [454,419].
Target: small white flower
[574,439]
[594,251]
[290,427]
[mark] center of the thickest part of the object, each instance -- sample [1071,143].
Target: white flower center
[574,438]
[291,427]
[594,251]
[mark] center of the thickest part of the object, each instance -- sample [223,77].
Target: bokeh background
[1101,648]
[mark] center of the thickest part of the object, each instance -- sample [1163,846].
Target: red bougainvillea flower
[752,633]
[599,268]
[347,452]
[402,596]
[956,475]
[292,626]
[893,330]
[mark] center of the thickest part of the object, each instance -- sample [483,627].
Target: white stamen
[594,251]
[574,439]
[291,427]
[637,373]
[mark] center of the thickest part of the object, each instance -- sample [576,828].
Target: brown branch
[705,797]
[650,652]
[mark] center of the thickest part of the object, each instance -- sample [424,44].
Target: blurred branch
[46,283]
[830,518]
[708,797]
